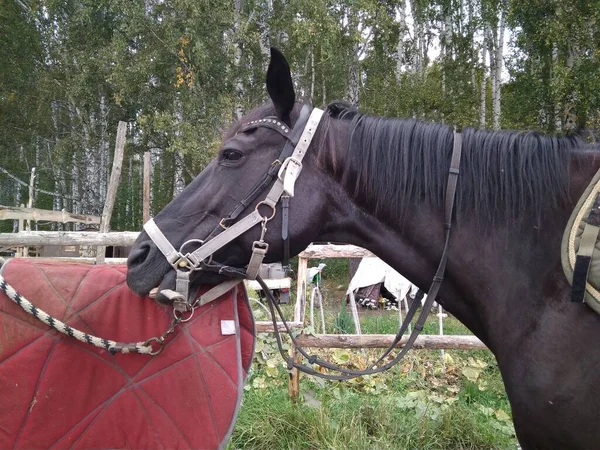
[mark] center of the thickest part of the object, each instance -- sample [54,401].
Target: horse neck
[497,276]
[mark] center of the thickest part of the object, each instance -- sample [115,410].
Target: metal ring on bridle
[274,210]
[183,320]
[189,241]
[159,341]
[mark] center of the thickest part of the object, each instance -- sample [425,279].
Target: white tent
[373,270]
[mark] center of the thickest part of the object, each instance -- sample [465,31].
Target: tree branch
[21,182]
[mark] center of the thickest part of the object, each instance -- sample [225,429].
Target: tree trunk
[402,28]
[312,74]
[353,69]
[483,92]
[105,158]
[237,59]
[498,72]
[179,162]
[264,15]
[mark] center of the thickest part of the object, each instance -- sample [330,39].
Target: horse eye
[231,156]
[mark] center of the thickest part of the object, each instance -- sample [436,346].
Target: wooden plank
[113,186]
[146,188]
[282,283]
[31,238]
[429,342]
[77,260]
[266,326]
[334,251]
[14,212]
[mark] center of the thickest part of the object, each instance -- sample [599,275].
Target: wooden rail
[16,213]
[427,341]
[31,238]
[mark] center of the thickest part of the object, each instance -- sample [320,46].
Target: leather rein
[285,171]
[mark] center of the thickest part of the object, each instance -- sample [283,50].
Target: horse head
[256,154]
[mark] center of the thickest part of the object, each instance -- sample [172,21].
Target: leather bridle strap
[292,140]
[201,258]
[438,278]
[286,180]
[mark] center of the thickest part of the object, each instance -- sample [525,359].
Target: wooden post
[301,289]
[25,249]
[20,251]
[146,189]
[294,384]
[31,194]
[299,309]
[113,185]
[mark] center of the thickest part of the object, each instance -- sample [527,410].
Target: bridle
[285,171]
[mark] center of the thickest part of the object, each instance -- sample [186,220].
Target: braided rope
[112,346]
[585,208]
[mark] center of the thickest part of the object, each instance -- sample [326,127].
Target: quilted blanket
[56,392]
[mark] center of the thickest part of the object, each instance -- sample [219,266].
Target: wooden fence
[356,341]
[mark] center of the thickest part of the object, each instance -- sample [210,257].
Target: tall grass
[360,421]
[424,403]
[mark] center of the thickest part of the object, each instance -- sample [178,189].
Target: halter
[287,172]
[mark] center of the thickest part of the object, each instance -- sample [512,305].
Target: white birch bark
[498,72]
[445,40]
[312,74]
[473,51]
[18,200]
[402,28]
[324,89]
[483,91]
[178,177]
[557,121]
[104,147]
[492,35]
[237,59]
[569,117]
[266,9]
[75,186]
[129,198]
[353,69]
[418,37]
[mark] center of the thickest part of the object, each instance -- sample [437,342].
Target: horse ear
[280,86]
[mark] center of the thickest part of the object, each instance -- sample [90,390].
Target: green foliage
[415,405]
[343,323]
[178,72]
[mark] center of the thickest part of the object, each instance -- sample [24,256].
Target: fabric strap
[585,252]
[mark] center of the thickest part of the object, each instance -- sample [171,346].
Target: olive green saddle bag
[580,251]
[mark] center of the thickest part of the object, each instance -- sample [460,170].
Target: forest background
[178,72]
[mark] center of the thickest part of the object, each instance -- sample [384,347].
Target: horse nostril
[138,255]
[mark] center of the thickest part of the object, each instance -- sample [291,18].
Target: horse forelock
[393,165]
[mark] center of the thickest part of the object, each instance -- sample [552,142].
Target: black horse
[363,177]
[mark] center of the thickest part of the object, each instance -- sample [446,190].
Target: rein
[288,171]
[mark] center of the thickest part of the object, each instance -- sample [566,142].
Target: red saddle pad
[56,392]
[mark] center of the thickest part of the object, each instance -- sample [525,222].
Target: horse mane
[393,164]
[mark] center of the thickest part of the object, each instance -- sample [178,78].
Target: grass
[423,403]
[342,416]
